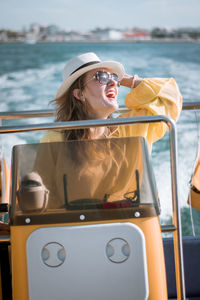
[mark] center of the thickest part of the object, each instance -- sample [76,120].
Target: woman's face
[100,98]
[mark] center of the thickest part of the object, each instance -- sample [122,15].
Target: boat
[30,41]
[93,248]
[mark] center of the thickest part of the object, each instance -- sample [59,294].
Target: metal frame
[176,226]
[50,112]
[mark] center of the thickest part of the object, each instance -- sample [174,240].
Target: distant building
[137,35]
[35,28]
[52,29]
[3,36]
[107,34]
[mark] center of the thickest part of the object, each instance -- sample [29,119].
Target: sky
[89,14]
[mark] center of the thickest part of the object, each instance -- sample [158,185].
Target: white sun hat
[83,63]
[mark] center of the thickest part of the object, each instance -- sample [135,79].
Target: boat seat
[191,250]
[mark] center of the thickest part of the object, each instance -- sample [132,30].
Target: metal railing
[176,226]
[50,112]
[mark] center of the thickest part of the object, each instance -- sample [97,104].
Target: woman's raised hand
[130,81]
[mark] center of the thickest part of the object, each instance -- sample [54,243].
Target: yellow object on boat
[4,182]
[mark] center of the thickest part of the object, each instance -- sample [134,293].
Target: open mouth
[111,94]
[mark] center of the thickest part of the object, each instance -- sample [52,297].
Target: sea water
[31,74]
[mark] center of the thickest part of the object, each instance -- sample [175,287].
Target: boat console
[85,222]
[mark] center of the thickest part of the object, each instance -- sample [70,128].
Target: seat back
[191,254]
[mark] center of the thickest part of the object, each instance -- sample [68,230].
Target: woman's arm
[151,96]
[130,81]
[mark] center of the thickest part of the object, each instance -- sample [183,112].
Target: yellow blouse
[153,96]
[99,174]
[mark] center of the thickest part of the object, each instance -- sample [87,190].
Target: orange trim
[195,196]
[5,174]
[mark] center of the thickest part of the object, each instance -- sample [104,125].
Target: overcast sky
[89,14]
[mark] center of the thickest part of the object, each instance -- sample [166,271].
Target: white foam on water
[27,90]
[187,75]
[7,142]
[161,168]
[28,76]
[187,153]
[33,87]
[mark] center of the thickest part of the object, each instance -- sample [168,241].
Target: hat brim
[114,66]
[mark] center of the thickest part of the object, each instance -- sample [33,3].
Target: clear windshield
[96,176]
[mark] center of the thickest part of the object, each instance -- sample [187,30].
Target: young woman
[102,170]
[89,91]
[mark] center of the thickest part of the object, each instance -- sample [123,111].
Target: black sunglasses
[104,77]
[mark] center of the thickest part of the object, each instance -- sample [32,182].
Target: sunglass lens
[103,77]
[115,78]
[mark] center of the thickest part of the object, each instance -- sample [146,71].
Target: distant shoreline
[160,40]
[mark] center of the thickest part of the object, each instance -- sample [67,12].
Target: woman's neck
[99,132]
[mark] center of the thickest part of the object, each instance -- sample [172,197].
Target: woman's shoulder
[52,136]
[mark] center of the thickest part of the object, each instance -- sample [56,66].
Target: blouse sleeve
[153,96]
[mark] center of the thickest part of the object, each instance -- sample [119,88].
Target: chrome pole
[177,234]
[50,112]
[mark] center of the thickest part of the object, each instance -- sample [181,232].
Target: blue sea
[31,74]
